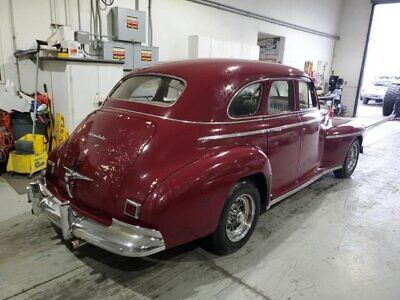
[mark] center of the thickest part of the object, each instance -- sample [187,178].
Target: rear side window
[152,89]
[306,99]
[280,98]
[247,101]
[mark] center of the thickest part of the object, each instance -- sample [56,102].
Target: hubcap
[352,157]
[240,217]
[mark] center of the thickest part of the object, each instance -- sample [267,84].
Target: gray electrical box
[82,37]
[144,56]
[126,24]
[119,52]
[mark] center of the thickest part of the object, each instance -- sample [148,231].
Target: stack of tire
[391,102]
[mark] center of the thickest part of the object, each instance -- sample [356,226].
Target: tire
[397,109]
[365,100]
[391,97]
[226,239]
[350,163]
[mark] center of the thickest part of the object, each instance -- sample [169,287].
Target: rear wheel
[350,162]
[391,97]
[238,219]
[365,100]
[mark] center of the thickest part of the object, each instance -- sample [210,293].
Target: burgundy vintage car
[193,149]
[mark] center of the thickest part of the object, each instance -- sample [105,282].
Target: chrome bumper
[120,238]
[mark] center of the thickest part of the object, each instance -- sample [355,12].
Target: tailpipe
[77,243]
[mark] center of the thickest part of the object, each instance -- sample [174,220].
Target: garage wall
[175,20]
[353,30]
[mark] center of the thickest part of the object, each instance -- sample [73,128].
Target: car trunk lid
[98,156]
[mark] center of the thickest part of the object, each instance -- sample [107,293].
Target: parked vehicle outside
[375,91]
[391,100]
[192,150]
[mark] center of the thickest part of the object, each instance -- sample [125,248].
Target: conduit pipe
[14,39]
[256,16]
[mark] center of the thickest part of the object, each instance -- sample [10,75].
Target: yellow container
[26,163]
[39,142]
[29,163]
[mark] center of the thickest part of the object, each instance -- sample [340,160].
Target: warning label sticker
[118,53]
[146,55]
[132,22]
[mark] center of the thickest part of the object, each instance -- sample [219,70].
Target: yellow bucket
[39,142]
[29,163]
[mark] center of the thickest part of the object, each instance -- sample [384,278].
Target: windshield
[152,89]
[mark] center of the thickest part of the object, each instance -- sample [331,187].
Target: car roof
[230,66]
[210,83]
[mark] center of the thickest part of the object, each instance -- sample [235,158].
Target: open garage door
[381,62]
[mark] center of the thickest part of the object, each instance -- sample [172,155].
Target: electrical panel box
[144,56]
[82,37]
[126,24]
[119,52]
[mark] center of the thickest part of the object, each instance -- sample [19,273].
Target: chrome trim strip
[256,119]
[338,136]
[302,186]
[231,135]
[182,121]
[254,132]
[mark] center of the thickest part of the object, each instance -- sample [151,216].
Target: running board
[302,186]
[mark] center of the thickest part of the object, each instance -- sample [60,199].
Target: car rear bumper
[120,238]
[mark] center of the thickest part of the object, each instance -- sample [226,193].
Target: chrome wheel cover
[240,217]
[352,157]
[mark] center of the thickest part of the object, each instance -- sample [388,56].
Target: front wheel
[350,162]
[238,219]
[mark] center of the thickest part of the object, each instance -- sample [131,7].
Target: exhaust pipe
[77,243]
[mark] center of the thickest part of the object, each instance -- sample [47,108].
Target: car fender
[187,205]
[338,139]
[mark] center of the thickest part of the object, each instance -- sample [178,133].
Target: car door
[310,116]
[284,134]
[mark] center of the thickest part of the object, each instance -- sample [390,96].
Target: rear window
[152,89]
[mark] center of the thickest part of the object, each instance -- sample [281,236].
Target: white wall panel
[350,48]
[175,20]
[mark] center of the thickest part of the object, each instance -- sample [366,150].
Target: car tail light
[132,209]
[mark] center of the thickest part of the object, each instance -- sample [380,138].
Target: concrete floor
[337,239]
[370,114]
